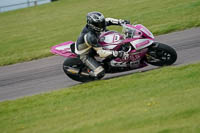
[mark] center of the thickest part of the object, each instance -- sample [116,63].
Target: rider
[88,41]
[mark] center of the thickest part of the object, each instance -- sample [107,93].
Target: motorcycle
[136,40]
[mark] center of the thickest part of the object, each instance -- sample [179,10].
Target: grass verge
[28,34]
[160,101]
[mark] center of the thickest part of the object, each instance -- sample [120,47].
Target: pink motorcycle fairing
[141,28]
[138,35]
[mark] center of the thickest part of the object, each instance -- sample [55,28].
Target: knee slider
[99,72]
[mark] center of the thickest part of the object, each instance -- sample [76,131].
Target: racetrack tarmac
[44,75]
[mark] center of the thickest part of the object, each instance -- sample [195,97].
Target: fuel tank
[110,39]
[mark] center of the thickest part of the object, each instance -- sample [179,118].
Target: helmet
[96,21]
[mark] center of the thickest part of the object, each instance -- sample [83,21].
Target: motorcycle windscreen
[63,49]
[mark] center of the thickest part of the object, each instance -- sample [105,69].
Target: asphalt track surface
[45,75]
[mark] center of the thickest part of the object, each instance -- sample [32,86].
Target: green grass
[159,101]
[28,34]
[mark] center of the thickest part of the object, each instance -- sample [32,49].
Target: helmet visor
[100,25]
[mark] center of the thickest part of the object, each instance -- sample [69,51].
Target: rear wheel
[72,66]
[161,54]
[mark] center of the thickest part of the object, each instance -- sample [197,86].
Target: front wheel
[75,69]
[161,55]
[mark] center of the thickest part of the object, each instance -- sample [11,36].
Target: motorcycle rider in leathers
[88,41]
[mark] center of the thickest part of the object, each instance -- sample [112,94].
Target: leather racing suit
[88,41]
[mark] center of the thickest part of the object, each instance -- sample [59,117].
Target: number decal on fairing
[116,38]
[134,57]
[131,57]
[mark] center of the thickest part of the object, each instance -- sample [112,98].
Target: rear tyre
[161,55]
[76,64]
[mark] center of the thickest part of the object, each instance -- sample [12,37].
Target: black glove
[127,22]
[124,22]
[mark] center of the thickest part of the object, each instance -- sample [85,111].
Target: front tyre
[72,66]
[161,55]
